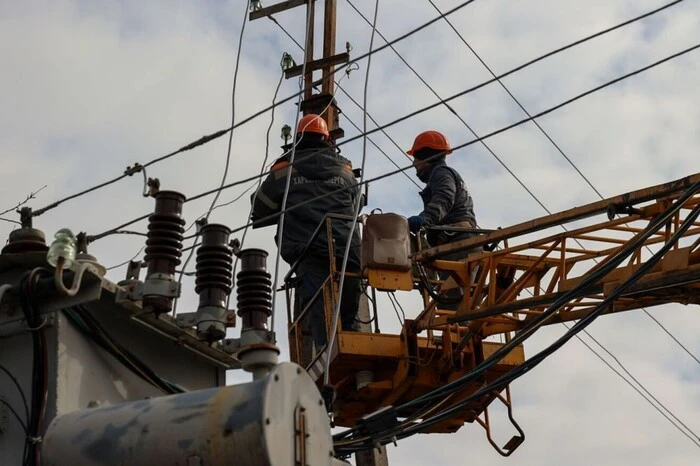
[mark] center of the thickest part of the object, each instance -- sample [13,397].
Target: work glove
[415,222]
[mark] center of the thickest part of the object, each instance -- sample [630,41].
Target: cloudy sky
[91,87]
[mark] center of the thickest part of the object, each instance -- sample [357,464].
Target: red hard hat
[430,140]
[312,123]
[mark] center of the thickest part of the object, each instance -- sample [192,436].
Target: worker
[446,201]
[318,170]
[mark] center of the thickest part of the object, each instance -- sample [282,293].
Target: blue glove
[415,222]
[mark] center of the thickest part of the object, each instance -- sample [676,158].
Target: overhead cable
[358,203]
[393,172]
[208,138]
[556,146]
[230,143]
[358,105]
[288,179]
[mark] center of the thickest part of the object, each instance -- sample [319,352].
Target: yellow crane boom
[636,250]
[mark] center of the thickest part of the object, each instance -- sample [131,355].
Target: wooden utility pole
[324,104]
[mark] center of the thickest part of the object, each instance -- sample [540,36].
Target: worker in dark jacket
[446,201]
[318,170]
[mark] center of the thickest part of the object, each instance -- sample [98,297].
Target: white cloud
[88,90]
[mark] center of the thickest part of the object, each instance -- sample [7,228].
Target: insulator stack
[254,286]
[26,240]
[214,274]
[163,250]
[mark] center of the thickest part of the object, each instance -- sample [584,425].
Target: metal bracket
[231,345]
[516,440]
[618,209]
[161,285]
[189,319]
[50,300]
[300,436]
[129,290]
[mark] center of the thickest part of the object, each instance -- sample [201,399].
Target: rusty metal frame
[546,268]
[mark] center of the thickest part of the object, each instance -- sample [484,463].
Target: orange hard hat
[430,140]
[313,123]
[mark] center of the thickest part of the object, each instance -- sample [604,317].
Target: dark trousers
[311,276]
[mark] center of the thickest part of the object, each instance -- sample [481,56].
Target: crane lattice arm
[627,252]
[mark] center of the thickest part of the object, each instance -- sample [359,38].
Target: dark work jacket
[446,200]
[312,175]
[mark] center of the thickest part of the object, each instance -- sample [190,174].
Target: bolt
[298,370]
[267,421]
[277,377]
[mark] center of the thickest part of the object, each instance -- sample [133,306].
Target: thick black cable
[532,362]
[39,386]
[92,329]
[539,320]
[391,173]
[589,280]
[581,324]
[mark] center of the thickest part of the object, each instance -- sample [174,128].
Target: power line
[259,182]
[233,109]
[457,147]
[208,138]
[285,196]
[631,376]
[230,143]
[549,138]
[358,202]
[502,381]
[213,136]
[672,336]
[501,130]
[449,107]
[352,99]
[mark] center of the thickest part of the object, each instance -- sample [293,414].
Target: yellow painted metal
[390,280]
[503,290]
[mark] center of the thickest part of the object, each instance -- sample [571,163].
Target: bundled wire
[91,328]
[423,403]
[39,390]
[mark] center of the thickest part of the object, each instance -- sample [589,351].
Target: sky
[92,87]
